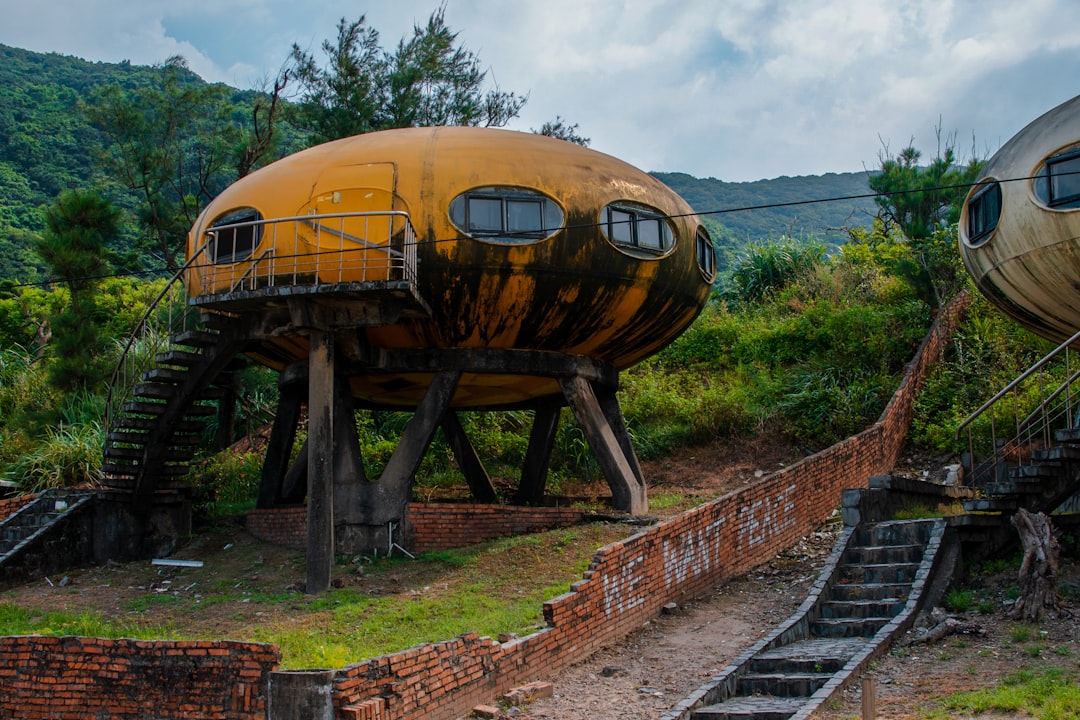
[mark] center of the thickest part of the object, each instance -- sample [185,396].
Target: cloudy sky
[732,89]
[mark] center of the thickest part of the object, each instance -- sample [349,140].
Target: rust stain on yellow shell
[574,292]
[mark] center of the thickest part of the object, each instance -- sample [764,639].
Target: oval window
[1057,181]
[706,254]
[506,215]
[638,229]
[235,235]
[983,212]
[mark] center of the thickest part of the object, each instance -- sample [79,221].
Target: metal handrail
[1036,430]
[111,403]
[314,246]
[1012,386]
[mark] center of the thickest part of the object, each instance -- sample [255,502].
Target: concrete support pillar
[538,456]
[321,465]
[611,445]
[465,454]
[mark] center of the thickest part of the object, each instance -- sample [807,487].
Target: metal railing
[166,315]
[1024,415]
[301,250]
[307,250]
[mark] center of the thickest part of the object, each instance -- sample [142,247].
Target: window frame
[1067,201]
[252,232]
[460,212]
[978,234]
[637,214]
[705,252]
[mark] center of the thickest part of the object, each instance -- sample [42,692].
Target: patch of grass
[15,620]
[959,600]
[1021,633]
[917,512]
[985,607]
[1051,695]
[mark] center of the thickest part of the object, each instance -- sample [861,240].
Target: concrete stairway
[1040,484]
[870,589]
[22,529]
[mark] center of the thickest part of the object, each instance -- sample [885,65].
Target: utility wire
[746,208]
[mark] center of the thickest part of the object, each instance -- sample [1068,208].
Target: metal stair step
[195,339]
[178,358]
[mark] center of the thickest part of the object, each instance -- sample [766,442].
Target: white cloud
[738,89]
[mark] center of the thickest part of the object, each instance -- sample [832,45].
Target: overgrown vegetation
[1051,694]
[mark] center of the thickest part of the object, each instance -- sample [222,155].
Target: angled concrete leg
[465,454]
[279,447]
[538,456]
[627,489]
[321,466]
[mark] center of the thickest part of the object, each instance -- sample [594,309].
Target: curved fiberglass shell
[613,274]
[1020,228]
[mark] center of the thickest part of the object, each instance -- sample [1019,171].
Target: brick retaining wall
[629,581]
[10,506]
[435,526]
[65,678]
[626,584]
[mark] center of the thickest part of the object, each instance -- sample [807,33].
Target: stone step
[1067,435]
[833,609]
[998,504]
[136,407]
[138,453]
[814,655]
[130,422]
[751,708]
[847,627]
[1060,452]
[879,572]
[898,532]
[884,554]
[1039,470]
[782,684]
[178,358]
[195,339]
[870,591]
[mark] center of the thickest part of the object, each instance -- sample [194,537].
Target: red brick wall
[10,506]
[286,527]
[436,526]
[76,677]
[629,581]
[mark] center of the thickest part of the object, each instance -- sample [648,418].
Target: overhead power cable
[723,211]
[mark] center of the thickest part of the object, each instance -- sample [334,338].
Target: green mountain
[812,205]
[48,145]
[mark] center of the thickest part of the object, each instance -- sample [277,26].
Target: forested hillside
[48,144]
[762,210]
[816,311]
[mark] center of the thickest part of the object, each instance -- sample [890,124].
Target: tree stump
[1038,571]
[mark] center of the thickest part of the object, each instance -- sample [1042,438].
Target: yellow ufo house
[1020,226]
[431,270]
